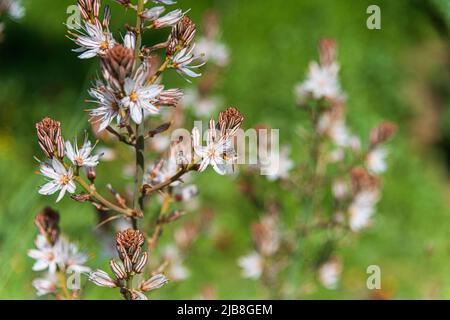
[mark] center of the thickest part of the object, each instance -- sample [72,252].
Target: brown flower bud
[128,242]
[91,175]
[139,266]
[118,64]
[153,283]
[89,8]
[230,120]
[327,50]
[47,221]
[117,269]
[382,133]
[181,36]
[49,137]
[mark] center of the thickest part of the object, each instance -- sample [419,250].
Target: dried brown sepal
[50,138]
[47,221]
[382,133]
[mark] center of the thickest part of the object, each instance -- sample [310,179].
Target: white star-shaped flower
[61,179]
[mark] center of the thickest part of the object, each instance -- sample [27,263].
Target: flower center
[79,160]
[104,45]
[64,179]
[212,153]
[134,96]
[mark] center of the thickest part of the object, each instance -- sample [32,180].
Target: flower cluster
[61,174]
[128,92]
[132,262]
[55,255]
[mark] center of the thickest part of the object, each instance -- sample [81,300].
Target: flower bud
[154,282]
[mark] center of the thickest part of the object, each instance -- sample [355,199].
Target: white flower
[252,265]
[362,208]
[177,271]
[321,82]
[102,279]
[169,19]
[212,51]
[153,13]
[108,106]
[376,160]
[69,258]
[201,106]
[46,255]
[16,9]
[279,164]
[81,157]
[329,273]
[47,284]
[218,151]
[61,179]
[93,40]
[182,60]
[340,189]
[138,95]
[162,171]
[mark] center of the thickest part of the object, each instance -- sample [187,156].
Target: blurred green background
[399,73]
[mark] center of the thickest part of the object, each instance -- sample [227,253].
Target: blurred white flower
[176,269]
[201,106]
[329,273]
[47,284]
[340,189]
[46,255]
[362,208]
[278,165]
[212,51]
[321,82]
[252,265]
[81,157]
[15,9]
[69,258]
[376,160]
[61,179]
